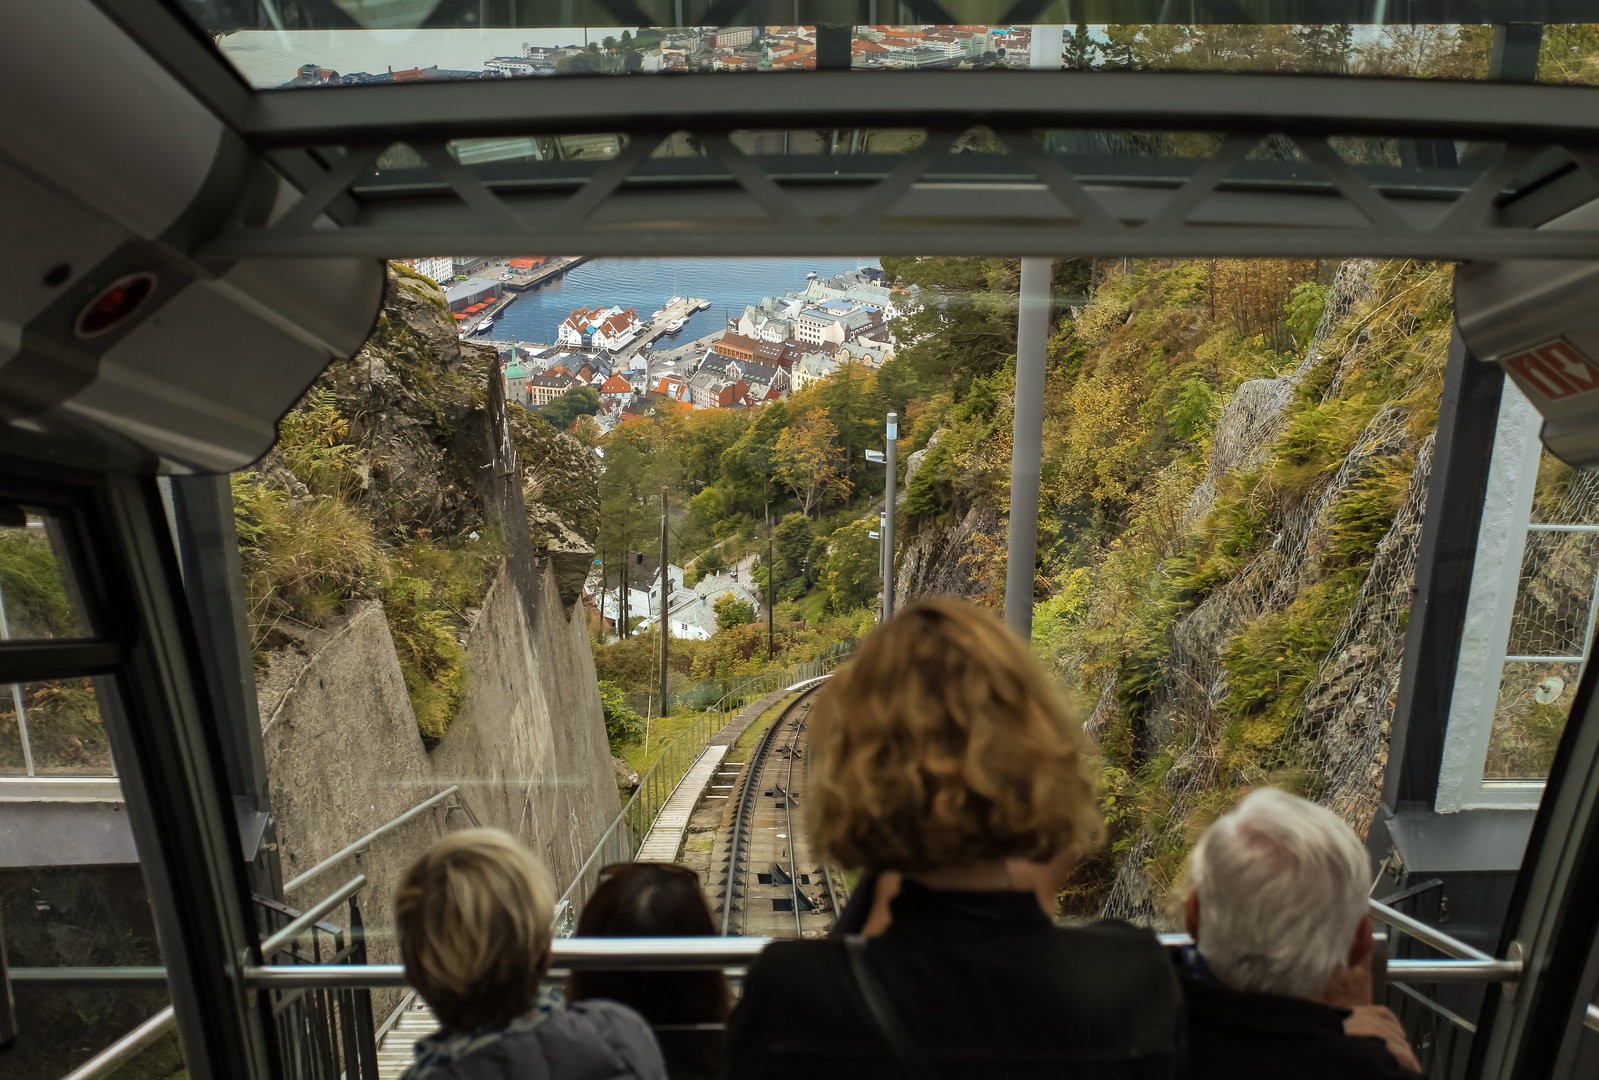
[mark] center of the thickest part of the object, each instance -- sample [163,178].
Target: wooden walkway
[666,835]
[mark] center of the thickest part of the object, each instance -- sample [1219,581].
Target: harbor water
[645,285]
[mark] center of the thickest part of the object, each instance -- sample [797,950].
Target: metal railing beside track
[621,839]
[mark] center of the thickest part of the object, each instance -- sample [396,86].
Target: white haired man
[1278,981]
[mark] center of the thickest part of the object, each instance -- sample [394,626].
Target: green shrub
[432,660]
[35,596]
[622,724]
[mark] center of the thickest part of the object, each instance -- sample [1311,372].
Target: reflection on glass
[1554,595]
[389,44]
[52,729]
[81,916]
[1564,495]
[33,593]
[1534,699]
[1569,53]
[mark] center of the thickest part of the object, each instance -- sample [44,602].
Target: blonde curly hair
[945,744]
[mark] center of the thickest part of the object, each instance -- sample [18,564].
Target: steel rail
[1430,935]
[752,766]
[312,915]
[788,812]
[654,954]
[633,803]
[393,975]
[365,841]
[126,1048]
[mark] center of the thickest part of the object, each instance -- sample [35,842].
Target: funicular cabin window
[49,727]
[437,598]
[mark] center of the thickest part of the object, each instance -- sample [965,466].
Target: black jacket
[985,984]
[1243,1036]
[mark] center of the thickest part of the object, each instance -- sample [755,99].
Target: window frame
[1485,638]
[122,572]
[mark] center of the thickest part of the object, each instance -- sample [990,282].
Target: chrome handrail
[126,1048]
[1419,930]
[313,915]
[690,953]
[350,849]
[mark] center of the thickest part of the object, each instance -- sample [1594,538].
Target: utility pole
[665,588]
[888,517]
[1027,446]
[882,565]
[1027,437]
[771,586]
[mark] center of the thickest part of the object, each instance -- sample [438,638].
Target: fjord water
[646,284]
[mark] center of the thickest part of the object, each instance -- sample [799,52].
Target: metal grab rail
[126,1048]
[691,953]
[1430,935]
[313,915]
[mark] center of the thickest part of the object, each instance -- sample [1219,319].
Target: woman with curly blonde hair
[946,765]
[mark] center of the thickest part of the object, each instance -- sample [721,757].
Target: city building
[834,321]
[764,381]
[543,389]
[471,292]
[730,37]
[601,328]
[441,268]
[616,389]
[735,346]
[811,367]
[709,390]
[778,354]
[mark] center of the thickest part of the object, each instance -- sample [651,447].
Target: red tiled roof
[616,385]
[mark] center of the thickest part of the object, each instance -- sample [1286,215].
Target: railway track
[766,881]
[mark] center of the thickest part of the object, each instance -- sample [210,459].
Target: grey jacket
[590,1040]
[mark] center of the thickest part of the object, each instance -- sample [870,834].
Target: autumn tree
[731,611]
[809,460]
[586,430]
[851,575]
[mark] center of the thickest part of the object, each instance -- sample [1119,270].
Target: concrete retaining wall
[529,749]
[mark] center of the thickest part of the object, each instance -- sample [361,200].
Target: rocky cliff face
[1231,583]
[478,518]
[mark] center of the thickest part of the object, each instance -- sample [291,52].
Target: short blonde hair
[945,744]
[474,917]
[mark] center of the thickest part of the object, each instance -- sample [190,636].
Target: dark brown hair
[657,900]
[944,744]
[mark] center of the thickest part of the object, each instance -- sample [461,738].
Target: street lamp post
[890,460]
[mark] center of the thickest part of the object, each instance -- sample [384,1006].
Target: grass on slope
[746,742]
[660,731]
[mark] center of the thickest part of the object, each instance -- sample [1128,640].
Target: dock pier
[555,268]
[656,329]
